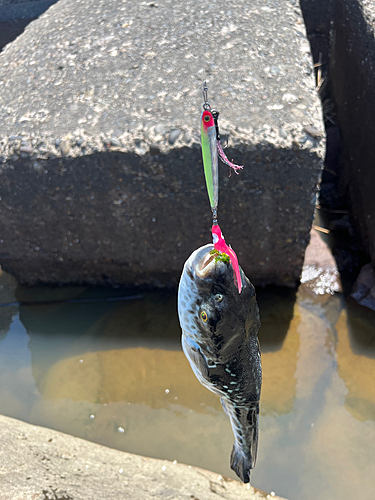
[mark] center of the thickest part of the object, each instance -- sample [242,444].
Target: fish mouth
[202,263]
[204,267]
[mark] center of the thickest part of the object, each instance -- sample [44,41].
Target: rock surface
[344,32]
[352,76]
[101,174]
[39,463]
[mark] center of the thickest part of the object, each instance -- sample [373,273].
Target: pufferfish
[220,340]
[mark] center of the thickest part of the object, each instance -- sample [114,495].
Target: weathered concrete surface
[352,81]
[98,186]
[344,31]
[39,463]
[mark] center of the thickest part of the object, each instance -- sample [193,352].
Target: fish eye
[207,118]
[218,297]
[204,316]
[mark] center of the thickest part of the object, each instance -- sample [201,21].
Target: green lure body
[210,157]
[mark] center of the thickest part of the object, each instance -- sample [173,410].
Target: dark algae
[220,340]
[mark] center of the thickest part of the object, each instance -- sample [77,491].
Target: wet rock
[257,210]
[364,288]
[41,463]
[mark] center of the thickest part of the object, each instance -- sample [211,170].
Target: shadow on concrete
[339,32]
[276,305]
[10,30]
[123,218]
[14,18]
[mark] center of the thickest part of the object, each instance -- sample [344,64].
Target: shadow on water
[276,306]
[355,330]
[130,341]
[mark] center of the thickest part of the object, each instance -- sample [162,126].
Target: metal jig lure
[211,151]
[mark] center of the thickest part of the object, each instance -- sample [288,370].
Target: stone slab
[42,464]
[97,184]
[352,81]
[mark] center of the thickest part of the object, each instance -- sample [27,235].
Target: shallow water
[114,373]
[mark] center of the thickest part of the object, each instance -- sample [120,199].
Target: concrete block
[96,184]
[352,68]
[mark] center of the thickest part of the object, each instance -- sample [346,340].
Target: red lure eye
[206,118]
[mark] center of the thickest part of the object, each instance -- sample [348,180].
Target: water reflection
[142,371]
[279,345]
[7,289]
[114,373]
[356,359]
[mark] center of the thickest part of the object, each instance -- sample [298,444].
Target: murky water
[114,373]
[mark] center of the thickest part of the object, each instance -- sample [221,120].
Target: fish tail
[240,463]
[244,421]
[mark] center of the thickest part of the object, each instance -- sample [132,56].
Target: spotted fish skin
[220,340]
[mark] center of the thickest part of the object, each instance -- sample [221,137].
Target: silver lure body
[219,338]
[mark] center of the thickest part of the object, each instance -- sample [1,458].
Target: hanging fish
[219,325]
[219,338]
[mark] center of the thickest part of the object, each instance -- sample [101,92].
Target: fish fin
[240,463]
[224,406]
[195,357]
